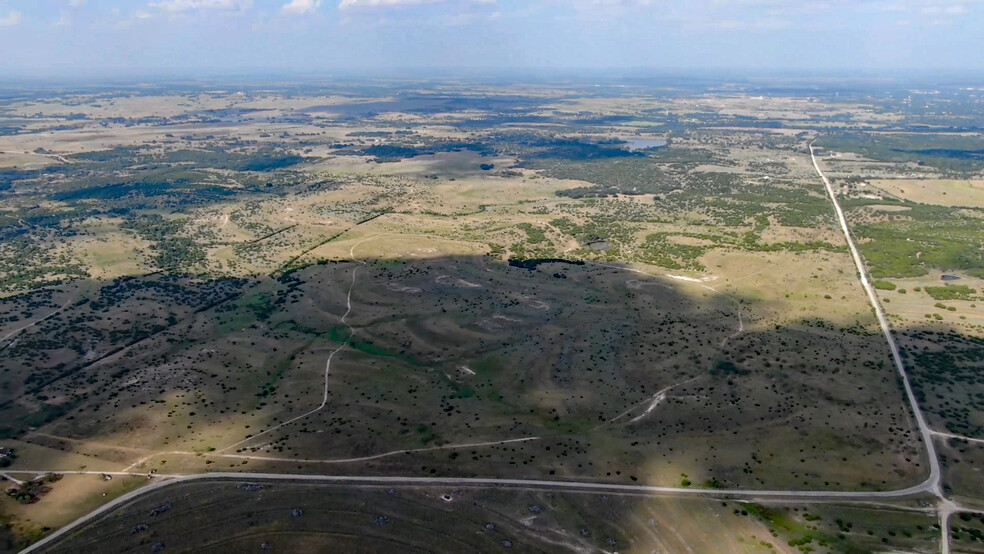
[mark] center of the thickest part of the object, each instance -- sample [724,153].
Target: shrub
[951,292]
[883,285]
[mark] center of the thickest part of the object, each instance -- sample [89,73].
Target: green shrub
[883,285]
[951,292]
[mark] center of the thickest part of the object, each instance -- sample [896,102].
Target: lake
[639,143]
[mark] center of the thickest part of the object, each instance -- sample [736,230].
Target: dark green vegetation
[533,263]
[85,336]
[437,360]
[952,292]
[93,186]
[688,176]
[7,456]
[236,229]
[920,239]
[914,239]
[171,251]
[961,462]
[842,529]
[948,372]
[616,224]
[33,490]
[163,179]
[722,198]
[954,155]
[416,146]
[883,285]
[967,533]
[28,259]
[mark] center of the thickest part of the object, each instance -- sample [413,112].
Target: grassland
[435,285]
[311,517]
[941,191]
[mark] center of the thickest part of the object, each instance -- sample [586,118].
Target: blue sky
[94,37]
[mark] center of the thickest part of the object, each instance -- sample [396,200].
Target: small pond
[640,143]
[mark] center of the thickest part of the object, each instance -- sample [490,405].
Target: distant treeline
[531,264]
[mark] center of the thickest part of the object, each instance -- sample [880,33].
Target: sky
[72,38]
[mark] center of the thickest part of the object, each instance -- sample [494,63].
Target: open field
[941,192]
[488,281]
[69,498]
[967,533]
[233,516]
[464,350]
[963,461]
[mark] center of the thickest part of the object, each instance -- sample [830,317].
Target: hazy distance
[71,38]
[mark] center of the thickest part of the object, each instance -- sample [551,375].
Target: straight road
[958,437]
[927,434]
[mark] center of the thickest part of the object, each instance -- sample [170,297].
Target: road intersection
[930,486]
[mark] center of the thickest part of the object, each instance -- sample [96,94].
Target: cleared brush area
[237,516]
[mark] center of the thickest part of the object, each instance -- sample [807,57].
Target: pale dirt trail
[659,397]
[934,464]
[58,157]
[932,483]
[35,322]
[378,456]
[324,398]
[129,470]
[653,401]
[523,484]
[17,482]
[958,437]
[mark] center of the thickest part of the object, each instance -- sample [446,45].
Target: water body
[949,278]
[233,115]
[639,143]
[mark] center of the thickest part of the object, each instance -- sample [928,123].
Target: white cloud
[181,9]
[757,24]
[177,6]
[76,3]
[946,9]
[298,7]
[11,19]
[346,4]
